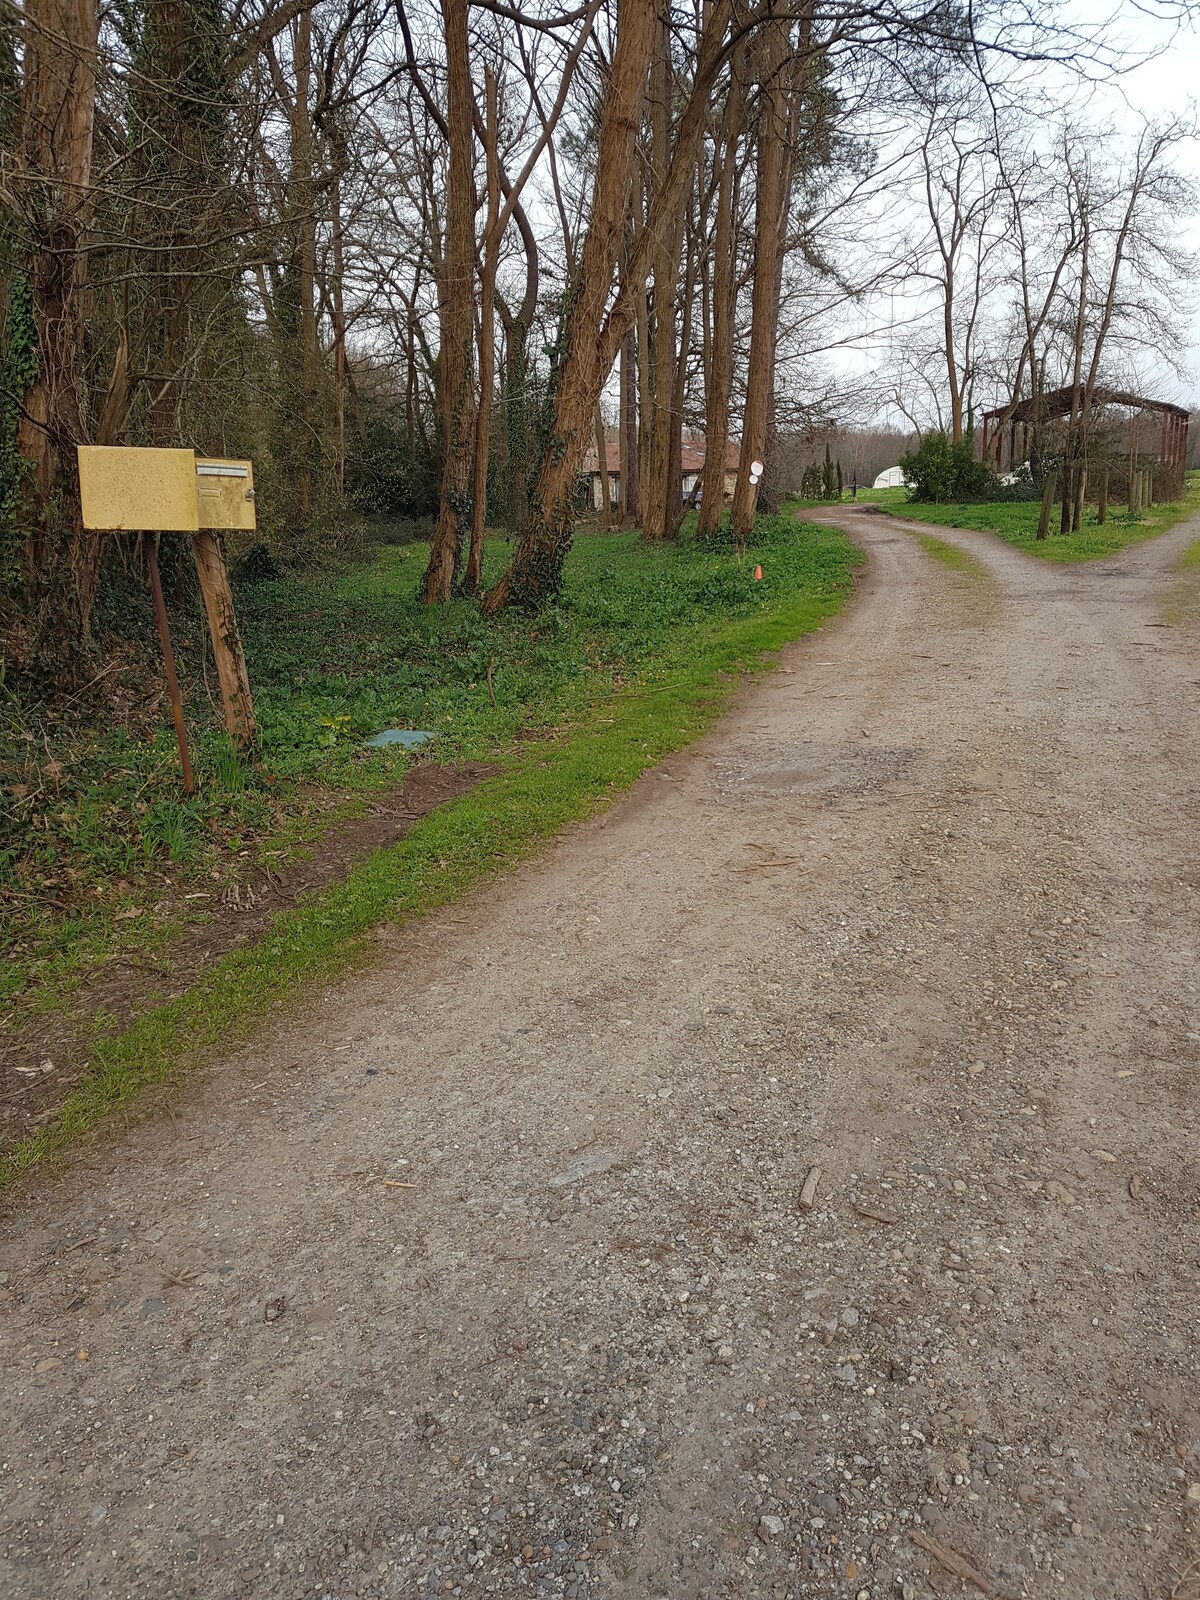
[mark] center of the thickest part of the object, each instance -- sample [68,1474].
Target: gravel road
[488,1272]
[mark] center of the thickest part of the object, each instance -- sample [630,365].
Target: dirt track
[923,911]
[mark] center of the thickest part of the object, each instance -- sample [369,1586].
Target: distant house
[691,461]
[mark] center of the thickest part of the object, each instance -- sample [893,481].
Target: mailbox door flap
[225,493]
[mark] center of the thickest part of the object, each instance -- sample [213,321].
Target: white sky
[1165,85]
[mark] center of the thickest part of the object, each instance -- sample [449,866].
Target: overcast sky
[1167,84]
[1163,80]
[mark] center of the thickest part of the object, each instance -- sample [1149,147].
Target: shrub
[938,471]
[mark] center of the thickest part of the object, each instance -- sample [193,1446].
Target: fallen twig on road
[951,1560]
[808,1194]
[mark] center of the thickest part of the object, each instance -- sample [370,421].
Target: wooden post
[226,642]
[1068,498]
[1049,484]
[1102,505]
[1080,496]
[1133,489]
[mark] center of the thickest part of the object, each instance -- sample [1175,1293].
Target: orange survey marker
[757,573]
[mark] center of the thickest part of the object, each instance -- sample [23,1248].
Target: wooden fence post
[1049,485]
[1102,503]
[1078,499]
[226,641]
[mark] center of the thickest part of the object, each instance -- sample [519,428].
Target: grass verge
[1016,523]
[103,857]
[950,555]
[704,622]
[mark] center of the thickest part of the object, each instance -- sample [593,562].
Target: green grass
[98,845]
[1189,559]
[636,661]
[950,555]
[1016,523]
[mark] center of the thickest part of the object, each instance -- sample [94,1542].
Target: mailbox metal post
[150,543]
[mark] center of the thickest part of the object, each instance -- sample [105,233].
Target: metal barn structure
[1154,432]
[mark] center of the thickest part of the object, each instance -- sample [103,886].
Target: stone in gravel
[850,1317]
[584,1166]
[273,1309]
[846,1373]
[1193,1491]
[770,1528]
[827,1504]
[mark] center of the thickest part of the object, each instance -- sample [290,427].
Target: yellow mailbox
[224,493]
[176,491]
[151,491]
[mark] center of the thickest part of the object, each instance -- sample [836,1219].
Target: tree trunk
[724,310]
[628,430]
[57,116]
[676,506]
[516,411]
[602,466]
[952,383]
[337,305]
[536,570]
[1071,450]
[764,312]
[458,316]
[658,488]
[487,337]
[644,404]
[304,200]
